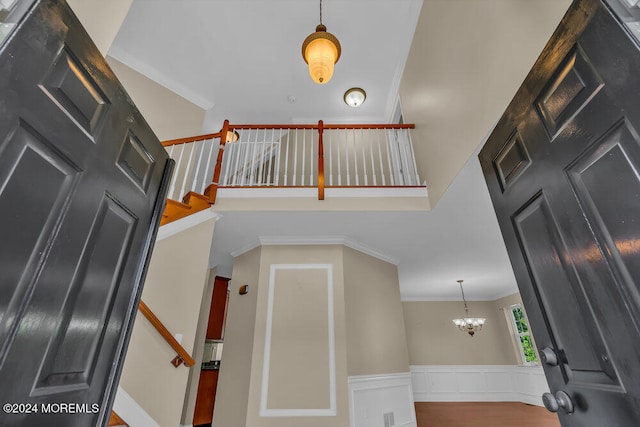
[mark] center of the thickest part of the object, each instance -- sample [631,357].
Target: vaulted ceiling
[455,63]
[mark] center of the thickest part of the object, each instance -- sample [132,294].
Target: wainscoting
[478,383]
[381,400]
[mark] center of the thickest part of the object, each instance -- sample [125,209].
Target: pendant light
[467,324]
[321,50]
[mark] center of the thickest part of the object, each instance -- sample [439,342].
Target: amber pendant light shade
[321,50]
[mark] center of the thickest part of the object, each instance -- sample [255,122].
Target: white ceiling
[241,60]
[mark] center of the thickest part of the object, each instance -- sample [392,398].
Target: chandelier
[467,324]
[321,50]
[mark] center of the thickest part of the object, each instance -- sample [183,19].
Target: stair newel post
[216,172]
[320,161]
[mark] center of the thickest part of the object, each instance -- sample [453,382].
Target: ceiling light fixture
[321,50]
[467,324]
[355,97]
[232,136]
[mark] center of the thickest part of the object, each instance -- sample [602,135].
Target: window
[524,341]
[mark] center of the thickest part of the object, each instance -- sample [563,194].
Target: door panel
[562,167]
[82,186]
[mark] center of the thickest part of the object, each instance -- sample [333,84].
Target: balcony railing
[316,155]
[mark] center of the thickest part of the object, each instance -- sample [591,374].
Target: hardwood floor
[483,414]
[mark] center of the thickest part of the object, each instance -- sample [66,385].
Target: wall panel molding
[478,383]
[265,411]
[373,396]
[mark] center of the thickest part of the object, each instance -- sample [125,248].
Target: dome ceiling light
[321,50]
[355,97]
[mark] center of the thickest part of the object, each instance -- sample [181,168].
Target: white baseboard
[478,383]
[132,413]
[371,396]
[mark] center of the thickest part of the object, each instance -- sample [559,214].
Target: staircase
[116,421]
[191,203]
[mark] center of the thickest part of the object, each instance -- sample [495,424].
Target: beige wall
[299,255]
[169,115]
[492,41]
[376,340]
[173,290]
[235,369]
[102,19]
[433,339]
[191,394]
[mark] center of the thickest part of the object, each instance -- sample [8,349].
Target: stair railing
[286,155]
[182,355]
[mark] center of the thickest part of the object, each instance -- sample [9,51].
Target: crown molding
[316,240]
[157,76]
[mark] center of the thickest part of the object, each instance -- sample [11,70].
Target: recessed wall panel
[299,365]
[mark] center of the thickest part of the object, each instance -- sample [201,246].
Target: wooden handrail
[206,136]
[190,139]
[183,356]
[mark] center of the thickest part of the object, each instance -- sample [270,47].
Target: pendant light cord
[320,12]
[466,309]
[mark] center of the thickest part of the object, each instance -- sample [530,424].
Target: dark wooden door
[563,171]
[82,182]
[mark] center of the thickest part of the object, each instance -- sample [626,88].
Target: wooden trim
[375,186]
[372,126]
[116,420]
[213,188]
[334,126]
[273,126]
[206,136]
[320,162]
[268,186]
[191,139]
[183,356]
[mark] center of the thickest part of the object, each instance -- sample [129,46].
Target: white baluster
[261,154]
[271,152]
[227,161]
[304,149]
[198,162]
[286,160]
[364,158]
[346,150]
[175,176]
[295,159]
[373,165]
[355,156]
[330,158]
[413,156]
[276,170]
[380,157]
[206,169]
[187,171]
[391,171]
[313,151]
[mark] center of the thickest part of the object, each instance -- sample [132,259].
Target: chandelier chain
[466,308]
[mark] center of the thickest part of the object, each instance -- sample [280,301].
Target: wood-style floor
[483,414]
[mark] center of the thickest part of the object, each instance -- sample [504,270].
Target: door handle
[560,400]
[548,356]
